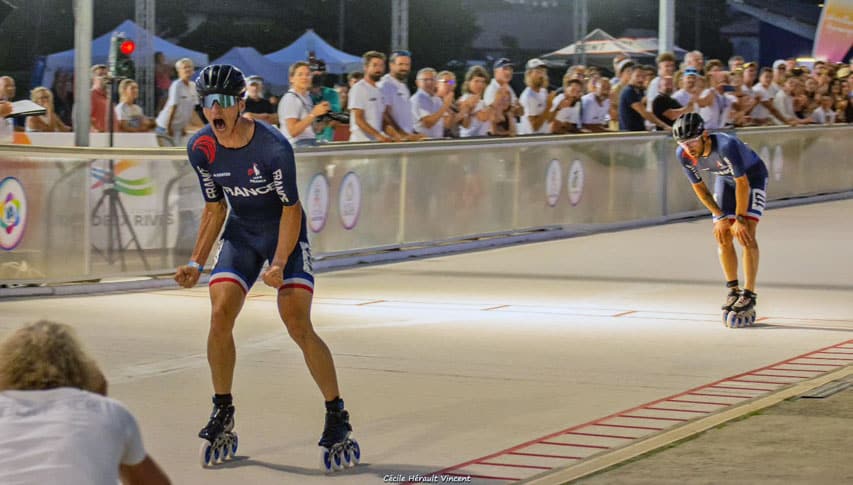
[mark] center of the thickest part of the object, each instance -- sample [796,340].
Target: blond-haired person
[129,115]
[48,121]
[57,424]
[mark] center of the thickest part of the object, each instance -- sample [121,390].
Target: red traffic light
[127,47]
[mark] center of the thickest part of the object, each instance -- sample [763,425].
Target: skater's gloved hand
[187,276]
[721,229]
[274,277]
[741,232]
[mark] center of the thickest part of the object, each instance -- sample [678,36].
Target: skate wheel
[205,454]
[325,460]
[338,459]
[234,442]
[354,452]
[730,320]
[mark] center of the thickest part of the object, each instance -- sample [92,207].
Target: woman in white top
[476,118]
[48,121]
[129,115]
[296,110]
[56,423]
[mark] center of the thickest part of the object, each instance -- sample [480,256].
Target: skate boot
[742,313]
[219,440]
[731,299]
[337,449]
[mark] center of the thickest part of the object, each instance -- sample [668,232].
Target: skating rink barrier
[81,214]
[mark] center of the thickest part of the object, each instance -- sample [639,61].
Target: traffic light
[121,64]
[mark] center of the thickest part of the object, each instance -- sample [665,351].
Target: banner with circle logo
[13,220]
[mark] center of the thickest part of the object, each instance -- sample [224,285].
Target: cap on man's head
[534,63]
[503,62]
[777,63]
[317,65]
[254,80]
[691,71]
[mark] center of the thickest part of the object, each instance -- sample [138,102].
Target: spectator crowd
[378,104]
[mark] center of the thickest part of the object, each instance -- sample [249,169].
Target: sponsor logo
[318,202]
[13,219]
[207,146]
[136,187]
[349,200]
[575,182]
[256,175]
[553,183]
[222,174]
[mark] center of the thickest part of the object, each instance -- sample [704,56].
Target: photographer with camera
[320,93]
[296,110]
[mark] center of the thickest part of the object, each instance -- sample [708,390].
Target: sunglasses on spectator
[224,100]
[449,82]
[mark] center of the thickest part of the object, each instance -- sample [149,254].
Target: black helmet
[220,79]
[687,126]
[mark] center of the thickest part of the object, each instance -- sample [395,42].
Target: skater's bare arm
[146,472]
[212,219]
[288,233]
[706,198]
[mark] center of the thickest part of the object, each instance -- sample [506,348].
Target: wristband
[719,217]
[193,264]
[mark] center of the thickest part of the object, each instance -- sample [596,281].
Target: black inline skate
[220,441]
[742,312]
[337,449]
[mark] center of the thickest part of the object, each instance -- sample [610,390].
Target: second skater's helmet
[687,126]
[220,79]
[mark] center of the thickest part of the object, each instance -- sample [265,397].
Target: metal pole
[341,24]
[144,55]
[404,24]
[395,24]
[666,26]
[83,20]
[584,27]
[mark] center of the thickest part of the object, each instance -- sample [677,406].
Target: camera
[339,116]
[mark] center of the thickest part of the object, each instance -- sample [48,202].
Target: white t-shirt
[368,98]
[784,104]
[593,113]
[65,436]
[132,113]
[761,94]
[492,90]
[7,130]
[533,103]
[652,93]
[295,105]
[823,117]
[396,95]
[682,96]
[714,114]
[422,104]
[184,98]
[567,115]
[476,127]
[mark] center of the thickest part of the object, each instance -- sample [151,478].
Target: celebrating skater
[252,164]
[737,204]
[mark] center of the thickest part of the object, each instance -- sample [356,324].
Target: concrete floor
[445,360]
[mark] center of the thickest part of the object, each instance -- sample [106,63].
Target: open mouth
[218,124]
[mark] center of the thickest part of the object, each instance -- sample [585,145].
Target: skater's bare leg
[750,257]
[226,300]
[294,306]
[726,249]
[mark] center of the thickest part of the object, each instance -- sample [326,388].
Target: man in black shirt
[664,106]
[257,106]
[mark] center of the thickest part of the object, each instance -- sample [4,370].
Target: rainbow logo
[138,187]
[13,219]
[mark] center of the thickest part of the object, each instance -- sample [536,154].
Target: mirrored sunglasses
[224,100]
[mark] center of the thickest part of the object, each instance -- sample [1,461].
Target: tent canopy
[252,62]
[337,62]
[600,48]
[101,51]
